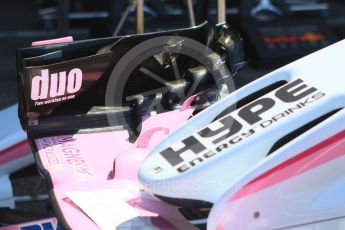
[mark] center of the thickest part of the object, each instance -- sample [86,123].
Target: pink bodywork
[82,162]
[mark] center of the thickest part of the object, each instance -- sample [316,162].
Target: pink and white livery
[278,157]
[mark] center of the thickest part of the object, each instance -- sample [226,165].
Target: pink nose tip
[219,227]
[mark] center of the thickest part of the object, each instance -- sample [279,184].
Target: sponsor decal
[228,131]
[306,37]
[63,153]
[50,224]
[48,88]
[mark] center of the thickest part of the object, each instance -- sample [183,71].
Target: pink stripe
[14,152]
[318,155]
[144,139]
[53,41]
[188,102]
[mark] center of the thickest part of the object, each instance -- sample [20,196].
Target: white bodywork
[310,199]
[211,178]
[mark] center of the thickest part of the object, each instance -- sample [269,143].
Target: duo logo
[52,85]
